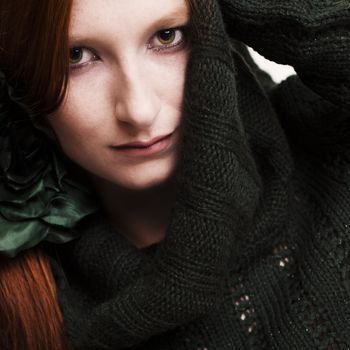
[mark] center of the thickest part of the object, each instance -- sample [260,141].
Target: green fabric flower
[39,197]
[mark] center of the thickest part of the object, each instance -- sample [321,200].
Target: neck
[142,216]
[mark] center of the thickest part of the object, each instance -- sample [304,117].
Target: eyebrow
[170,18]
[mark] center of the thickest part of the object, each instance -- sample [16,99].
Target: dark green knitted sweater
[256,255]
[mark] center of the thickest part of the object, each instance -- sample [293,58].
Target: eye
[169,38]
[81,56]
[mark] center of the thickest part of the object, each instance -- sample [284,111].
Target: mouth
[141,150]
[141,144]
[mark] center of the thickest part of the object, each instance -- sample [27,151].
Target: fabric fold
[314,38]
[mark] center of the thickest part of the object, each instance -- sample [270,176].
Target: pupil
[75,55]
[166,35]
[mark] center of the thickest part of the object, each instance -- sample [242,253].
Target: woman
[231,233]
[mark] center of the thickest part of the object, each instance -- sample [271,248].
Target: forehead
[88,15]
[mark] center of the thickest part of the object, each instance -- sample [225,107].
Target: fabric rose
[39,197]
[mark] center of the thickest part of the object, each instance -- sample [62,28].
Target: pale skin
[121,89]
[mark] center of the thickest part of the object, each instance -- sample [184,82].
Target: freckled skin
[129,92]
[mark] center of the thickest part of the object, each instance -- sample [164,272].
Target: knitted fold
[314,38]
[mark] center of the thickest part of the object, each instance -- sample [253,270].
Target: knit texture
[256,255]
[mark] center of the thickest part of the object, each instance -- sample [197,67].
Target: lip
[155,148]
[143,144]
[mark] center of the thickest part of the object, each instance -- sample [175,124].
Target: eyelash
[157,49]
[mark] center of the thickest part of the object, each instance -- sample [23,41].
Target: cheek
[68,126]
[80,116]
[171,80]
[79,134]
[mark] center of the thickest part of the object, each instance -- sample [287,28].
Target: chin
[141,185]
[137,178]
[144,182]
[147,178]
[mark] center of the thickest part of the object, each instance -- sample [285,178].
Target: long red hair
[33,56]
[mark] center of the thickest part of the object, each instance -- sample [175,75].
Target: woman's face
[127,72]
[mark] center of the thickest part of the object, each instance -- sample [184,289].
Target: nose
[137,102]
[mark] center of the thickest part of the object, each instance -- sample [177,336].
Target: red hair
[34,53]
[34,57]
[30,317]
